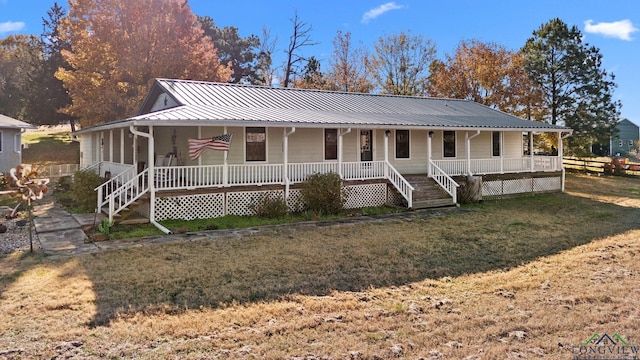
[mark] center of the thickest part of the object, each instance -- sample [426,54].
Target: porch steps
[130,216]
[427,193]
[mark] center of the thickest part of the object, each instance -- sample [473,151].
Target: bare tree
[265,62]
[300,38]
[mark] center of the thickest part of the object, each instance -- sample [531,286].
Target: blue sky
[612,25]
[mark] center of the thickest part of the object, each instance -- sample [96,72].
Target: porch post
[151,175]
[340,135]
[122,146]
[111,145]
[560,150]
[285,157]
[225,168]
[501,152]
[134,148]
[531,149]
[429,136]
[199,137]
[468,149]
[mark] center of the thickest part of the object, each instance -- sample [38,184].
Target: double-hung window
[256,144]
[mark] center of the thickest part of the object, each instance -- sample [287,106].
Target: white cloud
[10,26]
[374,13]
[618,29]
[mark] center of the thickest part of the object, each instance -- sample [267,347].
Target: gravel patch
[16,238]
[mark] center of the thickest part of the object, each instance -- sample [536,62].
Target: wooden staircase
[427,193]
[130,215]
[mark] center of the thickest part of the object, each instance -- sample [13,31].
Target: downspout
[560,151]
[285,168]
[340,135]
[468,149]
[151,170]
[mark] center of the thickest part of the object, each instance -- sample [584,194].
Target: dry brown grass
[517,278]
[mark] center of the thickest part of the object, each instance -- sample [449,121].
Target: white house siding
[9,157]
[417,162]
[86,150]
[513,144]
[306,145]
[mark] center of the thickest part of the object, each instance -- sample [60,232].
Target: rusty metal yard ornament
[30,188]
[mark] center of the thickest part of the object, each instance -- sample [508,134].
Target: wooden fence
[614,166]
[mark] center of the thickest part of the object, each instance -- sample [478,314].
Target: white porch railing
[400,183]
[445,181]
[126,194]
[499,165]
[122,173]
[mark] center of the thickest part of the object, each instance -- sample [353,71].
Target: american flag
[220,143]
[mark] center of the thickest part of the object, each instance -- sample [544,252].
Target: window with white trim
[330,144]
[496,144]
[256,144]
[402,144]
[449,143]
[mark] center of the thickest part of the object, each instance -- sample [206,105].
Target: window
[330,144]
[496,145]
[449,143]
[402,144]
[256,144]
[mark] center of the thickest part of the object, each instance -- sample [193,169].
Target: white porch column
[285,157]
[387,133]
[151,175]
[531,150]
[340,135]
[225,168]
[501,152]
[560,150]
[468,149]
[111,145]
[429,152]
[199,137]
[122,146]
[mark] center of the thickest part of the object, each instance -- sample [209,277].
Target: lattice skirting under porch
[211,205]
[497,188]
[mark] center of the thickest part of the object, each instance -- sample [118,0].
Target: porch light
[430,134]
[387,133]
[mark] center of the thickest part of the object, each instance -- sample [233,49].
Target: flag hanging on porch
[219,143]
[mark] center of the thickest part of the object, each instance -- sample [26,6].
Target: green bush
[269,206]
[83,192]
[324,193]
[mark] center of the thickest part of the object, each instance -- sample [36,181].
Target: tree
[399,64]
[47,93]
[264,68]
[577,90]
[312,77]
[120,46]
[240,53]
[348,70]
[20,56]
[300,38]
[486,73]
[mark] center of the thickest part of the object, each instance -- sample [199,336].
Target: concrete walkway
[60,233]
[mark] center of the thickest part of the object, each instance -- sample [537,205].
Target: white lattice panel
[238,202]
[189,207]
[359,196]
[491,188]
[294,201]
[394,198]
[547,184]
[516,186]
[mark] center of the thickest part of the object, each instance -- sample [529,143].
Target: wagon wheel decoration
[29,188]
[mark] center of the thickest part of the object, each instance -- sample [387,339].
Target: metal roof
[208,103]
[9,122]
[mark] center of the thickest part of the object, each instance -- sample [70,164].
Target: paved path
[60,233]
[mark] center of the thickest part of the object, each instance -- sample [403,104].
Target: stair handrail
[127,193]
[400,183]
[445,181]
[112,184]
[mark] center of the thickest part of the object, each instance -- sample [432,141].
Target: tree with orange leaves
[486,73]
[118,47]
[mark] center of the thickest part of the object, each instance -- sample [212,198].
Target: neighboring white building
[11,142]
[280,136]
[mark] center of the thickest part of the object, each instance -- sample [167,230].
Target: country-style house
[388,149]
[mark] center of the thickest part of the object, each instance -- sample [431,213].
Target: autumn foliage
[119,47]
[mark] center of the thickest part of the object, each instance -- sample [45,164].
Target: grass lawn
[526,277]
[50,145]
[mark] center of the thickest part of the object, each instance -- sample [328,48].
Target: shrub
[324,193]
[83,192]
[269,206]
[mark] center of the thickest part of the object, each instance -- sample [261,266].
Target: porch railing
[445,181]
[126,194]
[122,173]
[499,165]
[401,184]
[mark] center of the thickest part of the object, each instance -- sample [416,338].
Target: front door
[366,145]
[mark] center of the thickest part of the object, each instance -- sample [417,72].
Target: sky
[613,26]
